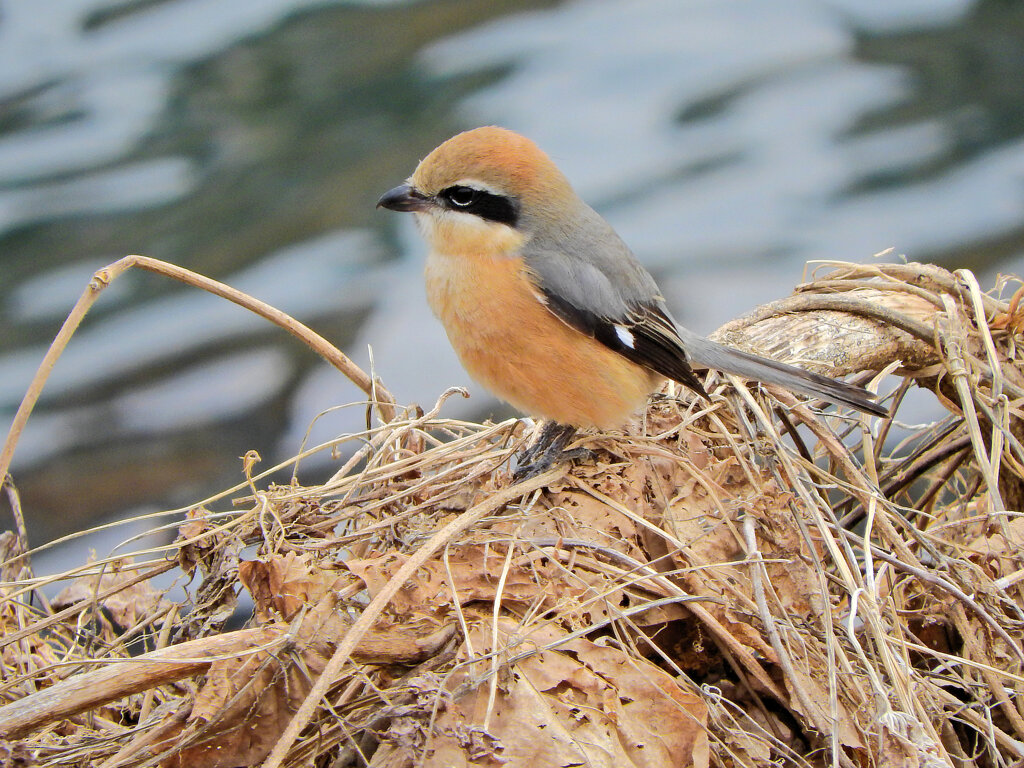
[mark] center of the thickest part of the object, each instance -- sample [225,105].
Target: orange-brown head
[496,158]
[488,177]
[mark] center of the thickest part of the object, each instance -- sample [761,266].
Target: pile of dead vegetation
[746,582]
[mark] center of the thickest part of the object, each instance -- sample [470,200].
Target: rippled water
[729,141]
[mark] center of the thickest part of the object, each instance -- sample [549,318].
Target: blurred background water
[729,141]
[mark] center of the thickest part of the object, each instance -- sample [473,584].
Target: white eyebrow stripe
[625,336]
[480,186]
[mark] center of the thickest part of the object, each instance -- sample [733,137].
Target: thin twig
[105,276]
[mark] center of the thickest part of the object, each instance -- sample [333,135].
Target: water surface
[729,141]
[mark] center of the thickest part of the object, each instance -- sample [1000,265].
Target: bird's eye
[461,197]
[489,206]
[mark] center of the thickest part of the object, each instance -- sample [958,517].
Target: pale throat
[467,236]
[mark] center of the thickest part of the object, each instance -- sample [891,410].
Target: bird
[547,307]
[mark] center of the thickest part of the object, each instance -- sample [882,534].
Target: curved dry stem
[105,276]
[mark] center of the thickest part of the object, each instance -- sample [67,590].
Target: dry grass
[747,582]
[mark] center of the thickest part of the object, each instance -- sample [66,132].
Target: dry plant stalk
[105,276]
[748,582]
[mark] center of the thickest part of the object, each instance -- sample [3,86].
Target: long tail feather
[705,353]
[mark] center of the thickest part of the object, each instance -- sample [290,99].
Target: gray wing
[603,291]
[609,296]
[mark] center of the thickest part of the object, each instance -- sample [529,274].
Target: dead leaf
[17,754]
[246,702]
[126,606]
[202,549]
[582,704]
[475,569]
[999,554]
[818,696]
[284,584]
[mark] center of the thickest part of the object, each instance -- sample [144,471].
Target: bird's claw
[530,466]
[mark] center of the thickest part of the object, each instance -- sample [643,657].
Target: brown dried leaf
[127,606]
[246,702]
[999,554]
[203,550]
[706,515]
[476,570]
[284,584]
[894,751]
[582,704]
[573,514]
[790,568]
[813,685]
[17,754]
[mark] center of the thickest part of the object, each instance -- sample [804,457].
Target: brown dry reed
[750,581]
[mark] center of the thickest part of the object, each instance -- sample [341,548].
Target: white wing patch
[625,336]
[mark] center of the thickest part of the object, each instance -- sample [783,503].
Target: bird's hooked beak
[405,198]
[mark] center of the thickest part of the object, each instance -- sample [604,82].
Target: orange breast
[513,345]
